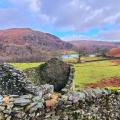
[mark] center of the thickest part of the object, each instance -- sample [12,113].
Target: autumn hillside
[25,43]
[115,52]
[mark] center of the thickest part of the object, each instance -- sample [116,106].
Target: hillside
[25,43]
[115,52]
[90,44]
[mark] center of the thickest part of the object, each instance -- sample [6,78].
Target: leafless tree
[82,51]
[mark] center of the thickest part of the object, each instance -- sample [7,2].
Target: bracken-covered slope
[115,52]
[25,43]
[91,44]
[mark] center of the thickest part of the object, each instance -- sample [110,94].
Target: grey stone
[8,118]
[7,111]
[64,97]
[38,106]
[22,101]
[20,115]
[29,96]
[13,96]
[2,108]
[2,117]
[75,97]
[30,106]
[82,96]
[10,105]
[47,88]
[97,92]
[17,109]
[1,99]
[37,99]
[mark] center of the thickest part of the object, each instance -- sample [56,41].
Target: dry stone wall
[41,103]
[70,85]
[92,104]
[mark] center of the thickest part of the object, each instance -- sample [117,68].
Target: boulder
[54,72]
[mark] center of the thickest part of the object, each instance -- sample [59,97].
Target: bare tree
[82,51]
[102,51]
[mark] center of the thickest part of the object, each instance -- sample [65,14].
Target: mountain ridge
[25,42]
[91,44]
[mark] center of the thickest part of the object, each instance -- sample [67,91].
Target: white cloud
[113,18]
[35,5]
[80,15]
[112,35]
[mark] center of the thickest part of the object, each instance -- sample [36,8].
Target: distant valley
[24,44]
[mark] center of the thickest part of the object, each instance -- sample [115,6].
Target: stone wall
[70,84]
[14,82]
[92,104]
[32,102]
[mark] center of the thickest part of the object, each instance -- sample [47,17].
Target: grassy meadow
[92,72]
[87,72]
[24,66]
[83,59]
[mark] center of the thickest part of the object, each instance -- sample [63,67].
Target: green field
[83,59]
[24,66]
[92,72]
[88,72]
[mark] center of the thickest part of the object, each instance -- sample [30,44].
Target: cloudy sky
[68,19]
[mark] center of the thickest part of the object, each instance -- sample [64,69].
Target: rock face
[12,82]
[54,72]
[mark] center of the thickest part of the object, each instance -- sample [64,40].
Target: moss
[94,118]
[113,88]
[107,103]
[76,115]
